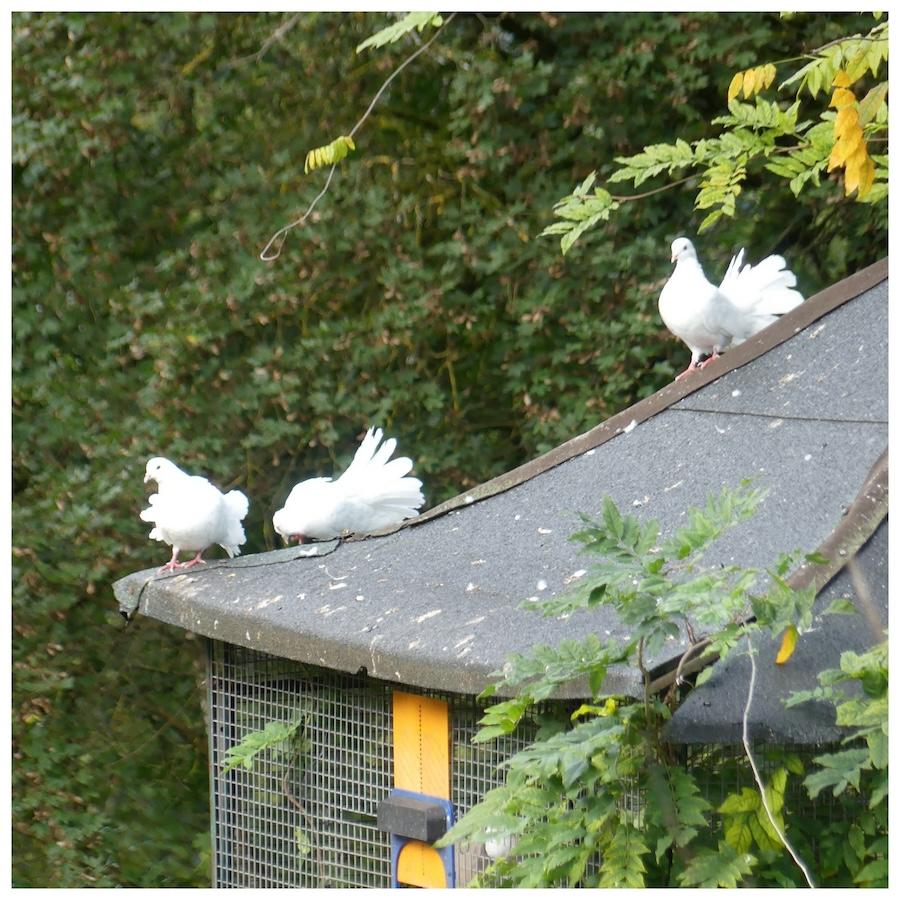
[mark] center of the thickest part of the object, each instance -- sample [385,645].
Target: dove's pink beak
[147,477]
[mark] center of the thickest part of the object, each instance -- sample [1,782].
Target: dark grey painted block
[412,818]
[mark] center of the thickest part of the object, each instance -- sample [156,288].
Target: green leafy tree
[602,801]
[767,134]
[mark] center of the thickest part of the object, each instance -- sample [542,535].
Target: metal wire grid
[306,817]
[475,769]
[724,769]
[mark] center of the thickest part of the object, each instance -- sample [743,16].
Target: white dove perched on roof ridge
[190,513]
[372,494]
[708,318]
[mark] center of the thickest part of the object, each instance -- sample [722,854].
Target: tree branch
[276,35]
[658,190]
[283,231]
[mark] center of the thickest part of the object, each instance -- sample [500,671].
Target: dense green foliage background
[153,156]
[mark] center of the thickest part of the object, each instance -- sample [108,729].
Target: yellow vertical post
[421,764]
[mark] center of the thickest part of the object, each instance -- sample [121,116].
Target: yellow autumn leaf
[735,87]
[859,151]
[762,73]
[854,166]
[842,97]
[866,179]
[788,643]
[588,709]
[330,154]
[770,72]
[854,144]
[749,82]
[841,79]
[846,121]
[846,149]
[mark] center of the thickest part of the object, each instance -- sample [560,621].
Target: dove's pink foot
[196,561]
[710,359]
[171,565]
[692,367]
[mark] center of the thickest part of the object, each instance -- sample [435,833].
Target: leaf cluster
[604,793]
[278,736]
[767,136]
[414,21]
[859,692]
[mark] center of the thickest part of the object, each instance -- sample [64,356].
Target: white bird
[190,513]
[373,493]
[708,318]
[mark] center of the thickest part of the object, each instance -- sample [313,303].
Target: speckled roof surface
[441,601]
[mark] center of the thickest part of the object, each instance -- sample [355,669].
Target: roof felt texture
[442,601]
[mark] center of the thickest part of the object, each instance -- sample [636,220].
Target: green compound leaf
[413,20]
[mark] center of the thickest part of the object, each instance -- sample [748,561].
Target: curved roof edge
[290,610]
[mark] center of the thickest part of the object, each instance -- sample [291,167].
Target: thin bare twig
[300,221]
[758,777]
[665,187]
[276,35]
[283,231]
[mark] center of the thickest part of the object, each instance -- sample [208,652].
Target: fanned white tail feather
[380,481]
[763,289]
[237,505]
[149,515]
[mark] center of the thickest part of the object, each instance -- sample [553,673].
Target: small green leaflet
[710,868]
[413,20]
[275,734]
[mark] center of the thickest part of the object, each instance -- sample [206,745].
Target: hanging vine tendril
[339,149]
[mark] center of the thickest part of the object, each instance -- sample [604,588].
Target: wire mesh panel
[724,769]
[305,814]
[292,819]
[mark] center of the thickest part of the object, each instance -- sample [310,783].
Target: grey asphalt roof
[439,602]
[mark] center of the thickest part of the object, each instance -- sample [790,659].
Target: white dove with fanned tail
[710,319]
[374,492]
[191,514]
